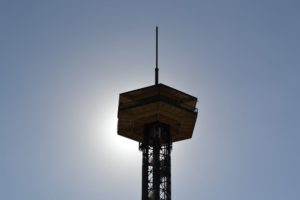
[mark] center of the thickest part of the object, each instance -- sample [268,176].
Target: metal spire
[156,68]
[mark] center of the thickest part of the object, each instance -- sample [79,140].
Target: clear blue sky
[64,63]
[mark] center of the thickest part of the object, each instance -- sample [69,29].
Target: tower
[156,116]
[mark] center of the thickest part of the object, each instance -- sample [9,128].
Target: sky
[64,63]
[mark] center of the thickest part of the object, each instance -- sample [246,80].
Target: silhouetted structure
[156,116]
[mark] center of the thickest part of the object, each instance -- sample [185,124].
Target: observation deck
[156,104]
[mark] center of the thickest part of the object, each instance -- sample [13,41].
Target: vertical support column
[168,167]
[156,163]
[165,166]
[144,146]
[156,171]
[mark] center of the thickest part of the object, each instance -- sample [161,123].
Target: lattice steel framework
[156,170]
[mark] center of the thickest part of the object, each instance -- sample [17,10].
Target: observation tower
[155,117]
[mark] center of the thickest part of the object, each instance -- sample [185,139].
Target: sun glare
[115,145]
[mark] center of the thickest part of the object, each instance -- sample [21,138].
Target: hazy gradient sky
[64,63]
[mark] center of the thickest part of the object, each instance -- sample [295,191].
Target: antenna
[156,67]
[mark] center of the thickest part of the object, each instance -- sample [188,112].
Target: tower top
[158,104]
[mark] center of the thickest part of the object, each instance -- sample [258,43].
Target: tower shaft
[156,170]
